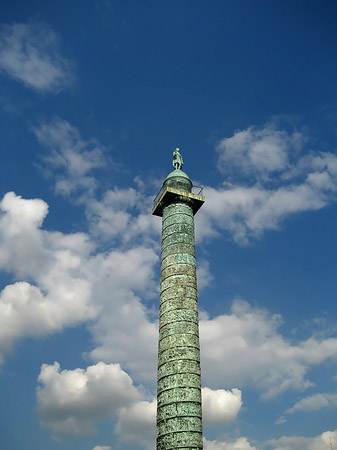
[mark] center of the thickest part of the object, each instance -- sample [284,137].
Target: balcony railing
[157,197]
[197,190]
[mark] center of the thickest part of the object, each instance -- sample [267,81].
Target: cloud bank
[70,401]
[268,180]
[259,355]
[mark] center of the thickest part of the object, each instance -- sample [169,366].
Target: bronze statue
[177,159]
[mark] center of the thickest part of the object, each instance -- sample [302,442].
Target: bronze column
[179,412]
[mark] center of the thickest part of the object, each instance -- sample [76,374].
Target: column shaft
[179,418]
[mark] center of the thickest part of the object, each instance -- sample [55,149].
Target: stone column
[179,414]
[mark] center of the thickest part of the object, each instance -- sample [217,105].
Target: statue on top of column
[177,159]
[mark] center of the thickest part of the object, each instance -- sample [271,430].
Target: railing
[157,197]
[197,190]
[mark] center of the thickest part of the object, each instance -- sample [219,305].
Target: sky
[94,98]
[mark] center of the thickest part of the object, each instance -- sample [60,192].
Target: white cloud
[305,184]
[321,442]
[118,283]
[75,157]
[60,296]
[101,447]
[280,420]
[204,275]
[257,152]
[124,320]
[29,251]
[314,402]
[25,311]
[137,424]
[316,162]
[238,444]
[254,202]
[70,282]
[71,401]
[30,53]
[220,407]
[124,214]
[111,216]
[244,348]
[20,237]
[247,212]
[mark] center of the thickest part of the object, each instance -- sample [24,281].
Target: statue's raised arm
[177,159]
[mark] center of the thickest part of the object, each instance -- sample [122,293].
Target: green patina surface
[179,411]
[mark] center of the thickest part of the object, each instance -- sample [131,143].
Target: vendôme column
[179,413]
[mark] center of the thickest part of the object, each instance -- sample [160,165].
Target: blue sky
[94,98]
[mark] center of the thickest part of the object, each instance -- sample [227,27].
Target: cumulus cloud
[204,275]
[26,311]
[259,355]
[257,152]
[241,443]
[247,212]
[67,281]
[30,54]
[123,215]
[71,156]
[124,321]
[70,282]
[321,442]
[219,406]
[314,402]
[122,274]
[20,237]
[101,447]
[110,286]
[137,424]
[267,181]
[71,401]
[114,289]
[120,215]
[60,297]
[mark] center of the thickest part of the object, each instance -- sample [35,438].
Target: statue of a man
[177,159]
